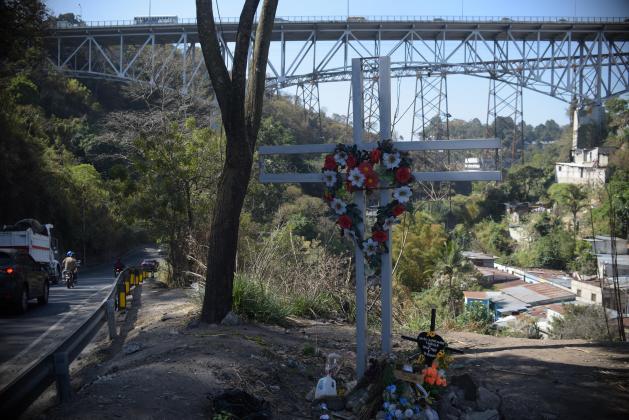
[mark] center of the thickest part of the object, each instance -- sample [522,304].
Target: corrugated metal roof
[538,293]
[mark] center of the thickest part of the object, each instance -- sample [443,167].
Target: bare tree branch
[257,70]
[214,63]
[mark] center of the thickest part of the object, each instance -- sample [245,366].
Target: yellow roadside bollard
[132,279]
[127,285]
[122,298]
[142,274]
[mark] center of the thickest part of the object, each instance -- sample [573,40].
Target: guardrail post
[62,376]
[111,319]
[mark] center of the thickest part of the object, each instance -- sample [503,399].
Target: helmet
[70,253]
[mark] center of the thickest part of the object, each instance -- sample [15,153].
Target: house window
[579,292]
[593,297]
[559,167]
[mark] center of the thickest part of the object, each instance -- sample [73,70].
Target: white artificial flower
[371,248]
[329,177]
[338,206]
[341,158]
[399,414]
[409,413]
[356,178]
[389,222]
[402,194]
[391,160]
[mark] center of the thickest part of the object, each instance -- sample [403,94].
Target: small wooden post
[433,319]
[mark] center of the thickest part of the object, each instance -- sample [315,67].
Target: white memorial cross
[384,97]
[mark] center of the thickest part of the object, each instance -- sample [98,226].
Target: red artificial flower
[327,197]
[379,236]
[365,168]
[344,221]
[371,180]
[351,162]
[403,174]
[398,209]
[374,156]
[348,186]
[330,163]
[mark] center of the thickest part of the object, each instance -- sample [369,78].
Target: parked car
[22,279]
[149,265]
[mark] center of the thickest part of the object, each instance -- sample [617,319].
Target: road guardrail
[54,366]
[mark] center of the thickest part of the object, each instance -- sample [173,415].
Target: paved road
[24,338]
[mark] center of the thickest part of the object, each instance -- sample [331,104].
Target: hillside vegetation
[114,164]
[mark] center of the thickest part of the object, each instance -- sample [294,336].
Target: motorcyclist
[70,264]
[118,266]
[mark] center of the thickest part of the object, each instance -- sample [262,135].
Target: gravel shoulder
[165,365]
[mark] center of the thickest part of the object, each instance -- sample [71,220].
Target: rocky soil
[166,365]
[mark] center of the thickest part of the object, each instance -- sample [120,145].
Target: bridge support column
[588,126]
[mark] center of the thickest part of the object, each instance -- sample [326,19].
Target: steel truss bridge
[579,61]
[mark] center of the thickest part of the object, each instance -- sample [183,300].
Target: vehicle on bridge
[22,279]
[155,20]
[36,240]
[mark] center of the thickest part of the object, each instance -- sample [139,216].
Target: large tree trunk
[240,100]
[223,238]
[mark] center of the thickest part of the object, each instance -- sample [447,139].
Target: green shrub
[476,317]
[318,306]
[255,302]
[581,321]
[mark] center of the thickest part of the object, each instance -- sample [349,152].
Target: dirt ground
[164,366]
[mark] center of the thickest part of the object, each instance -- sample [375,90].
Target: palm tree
[452,271]
[571,197]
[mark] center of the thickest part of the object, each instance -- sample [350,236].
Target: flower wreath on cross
[383,167]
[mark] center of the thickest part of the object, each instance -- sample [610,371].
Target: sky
[467,96]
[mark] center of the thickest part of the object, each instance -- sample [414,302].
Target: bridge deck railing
[366,19]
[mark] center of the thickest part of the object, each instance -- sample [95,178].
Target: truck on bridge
[31,237]
[155,20]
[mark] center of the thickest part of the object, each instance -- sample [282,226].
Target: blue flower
[388,417]
[391,388]
[386,405]
[403,401]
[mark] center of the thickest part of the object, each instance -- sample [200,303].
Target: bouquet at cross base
[410,400]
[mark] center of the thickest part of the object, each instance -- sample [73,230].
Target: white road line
[8,364]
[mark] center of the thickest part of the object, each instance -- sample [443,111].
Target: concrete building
[604,263]
[479,259]
[602,244]
[588,291]
[588,165]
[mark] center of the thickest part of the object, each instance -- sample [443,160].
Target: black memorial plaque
[430,346]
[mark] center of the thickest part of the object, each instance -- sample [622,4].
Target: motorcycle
[68,277]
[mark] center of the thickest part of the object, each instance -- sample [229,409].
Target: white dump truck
[30,236]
